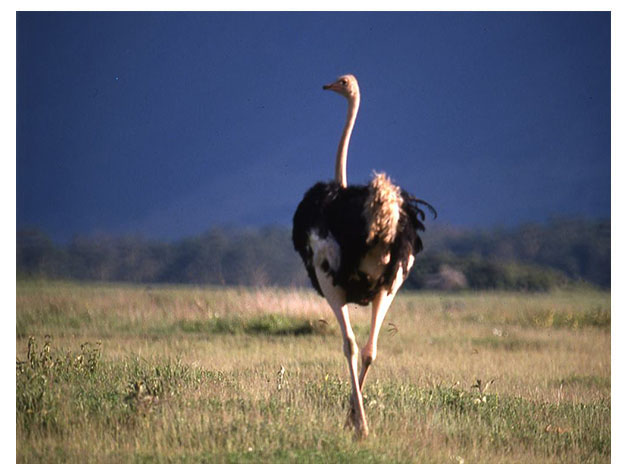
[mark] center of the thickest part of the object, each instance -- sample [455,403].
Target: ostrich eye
[344,82]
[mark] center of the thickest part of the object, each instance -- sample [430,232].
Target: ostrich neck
[342,149]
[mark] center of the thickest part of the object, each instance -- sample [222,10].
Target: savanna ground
[114,373]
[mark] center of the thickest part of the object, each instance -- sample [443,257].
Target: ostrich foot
[353,420]
[350,418]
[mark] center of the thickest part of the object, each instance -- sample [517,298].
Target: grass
[117,374]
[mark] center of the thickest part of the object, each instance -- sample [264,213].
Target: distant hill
[531,257]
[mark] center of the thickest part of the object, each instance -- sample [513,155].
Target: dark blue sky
[165,124]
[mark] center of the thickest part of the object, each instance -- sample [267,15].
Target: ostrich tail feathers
[382,209]
[413,202]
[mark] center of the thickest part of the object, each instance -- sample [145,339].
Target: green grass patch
[547,318]
[598,317]
[269,324]
[508,343]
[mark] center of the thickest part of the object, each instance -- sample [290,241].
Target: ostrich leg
[337,300]
[380,307]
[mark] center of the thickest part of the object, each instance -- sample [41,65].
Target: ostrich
[358,244]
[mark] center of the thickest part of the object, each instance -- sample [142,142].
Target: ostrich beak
[327,86]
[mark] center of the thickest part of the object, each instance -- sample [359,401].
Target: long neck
[342,149]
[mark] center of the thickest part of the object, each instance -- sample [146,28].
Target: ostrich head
[345,85]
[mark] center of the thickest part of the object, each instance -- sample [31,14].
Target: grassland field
[123,373]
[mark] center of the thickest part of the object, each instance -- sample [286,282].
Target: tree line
[529,257]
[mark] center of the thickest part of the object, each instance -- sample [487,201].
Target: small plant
[281,378]
[39,379]
[479,386]
[141,397]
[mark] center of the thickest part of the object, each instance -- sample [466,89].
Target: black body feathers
[328,209]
